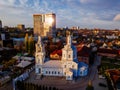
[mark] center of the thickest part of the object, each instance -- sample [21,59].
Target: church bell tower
[39,56]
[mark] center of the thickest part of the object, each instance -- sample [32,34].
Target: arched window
[39,70]
[69,56]
[72,66]
[81,72]
[65,66]
[64,55]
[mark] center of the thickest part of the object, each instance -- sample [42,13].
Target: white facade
[68,66]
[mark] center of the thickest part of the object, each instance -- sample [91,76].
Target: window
[55,72]
[64,55]
[81,72]
[64,73]
[68,76]
[46,72]
[39,70]
[65,66]
[58,72]
[69,56]
[72,66]
[49,72]
[52,72]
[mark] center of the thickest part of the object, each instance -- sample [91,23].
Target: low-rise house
[56,54]
[108,52]
[115,78]
[83,54]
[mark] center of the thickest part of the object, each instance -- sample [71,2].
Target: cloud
[23,2]
[88,1]
[117,18]
[7,2]
[68,12]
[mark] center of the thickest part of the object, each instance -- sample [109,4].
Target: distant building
[6,43]
[21,27]
[83,54]
[5,40]
[5,35]
[44,24]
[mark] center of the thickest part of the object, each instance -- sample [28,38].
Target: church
[68,67]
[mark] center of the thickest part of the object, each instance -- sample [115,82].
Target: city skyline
[104,14]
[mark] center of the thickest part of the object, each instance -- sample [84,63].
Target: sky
[104,14]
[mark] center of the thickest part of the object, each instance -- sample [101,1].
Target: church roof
[53,64]
[82,64]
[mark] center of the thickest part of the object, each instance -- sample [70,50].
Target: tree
[31,44]
[26,42]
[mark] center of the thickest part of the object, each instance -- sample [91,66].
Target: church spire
[39,39]
[40,45]
[69,40]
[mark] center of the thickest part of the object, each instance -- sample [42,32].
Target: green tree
[30,44]
[26,42]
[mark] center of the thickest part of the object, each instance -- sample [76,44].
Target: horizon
[101,14]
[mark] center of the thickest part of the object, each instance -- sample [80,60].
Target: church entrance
[39,71]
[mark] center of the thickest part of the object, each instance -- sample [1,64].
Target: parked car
[101,77]
[102,85]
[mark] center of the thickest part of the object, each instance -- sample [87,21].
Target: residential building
[83,54]
[21,27]
[44,24]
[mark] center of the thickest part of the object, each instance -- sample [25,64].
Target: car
[101,77]
[102,85]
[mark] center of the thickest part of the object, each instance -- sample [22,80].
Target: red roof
[83,51]
[59,52]
[115,74]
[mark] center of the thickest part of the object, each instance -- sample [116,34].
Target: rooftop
[53,64]
[23,64]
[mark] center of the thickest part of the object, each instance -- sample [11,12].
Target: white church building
[67,67]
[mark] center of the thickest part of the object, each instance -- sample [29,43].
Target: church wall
[38,69]
[53,71]
[82,72]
